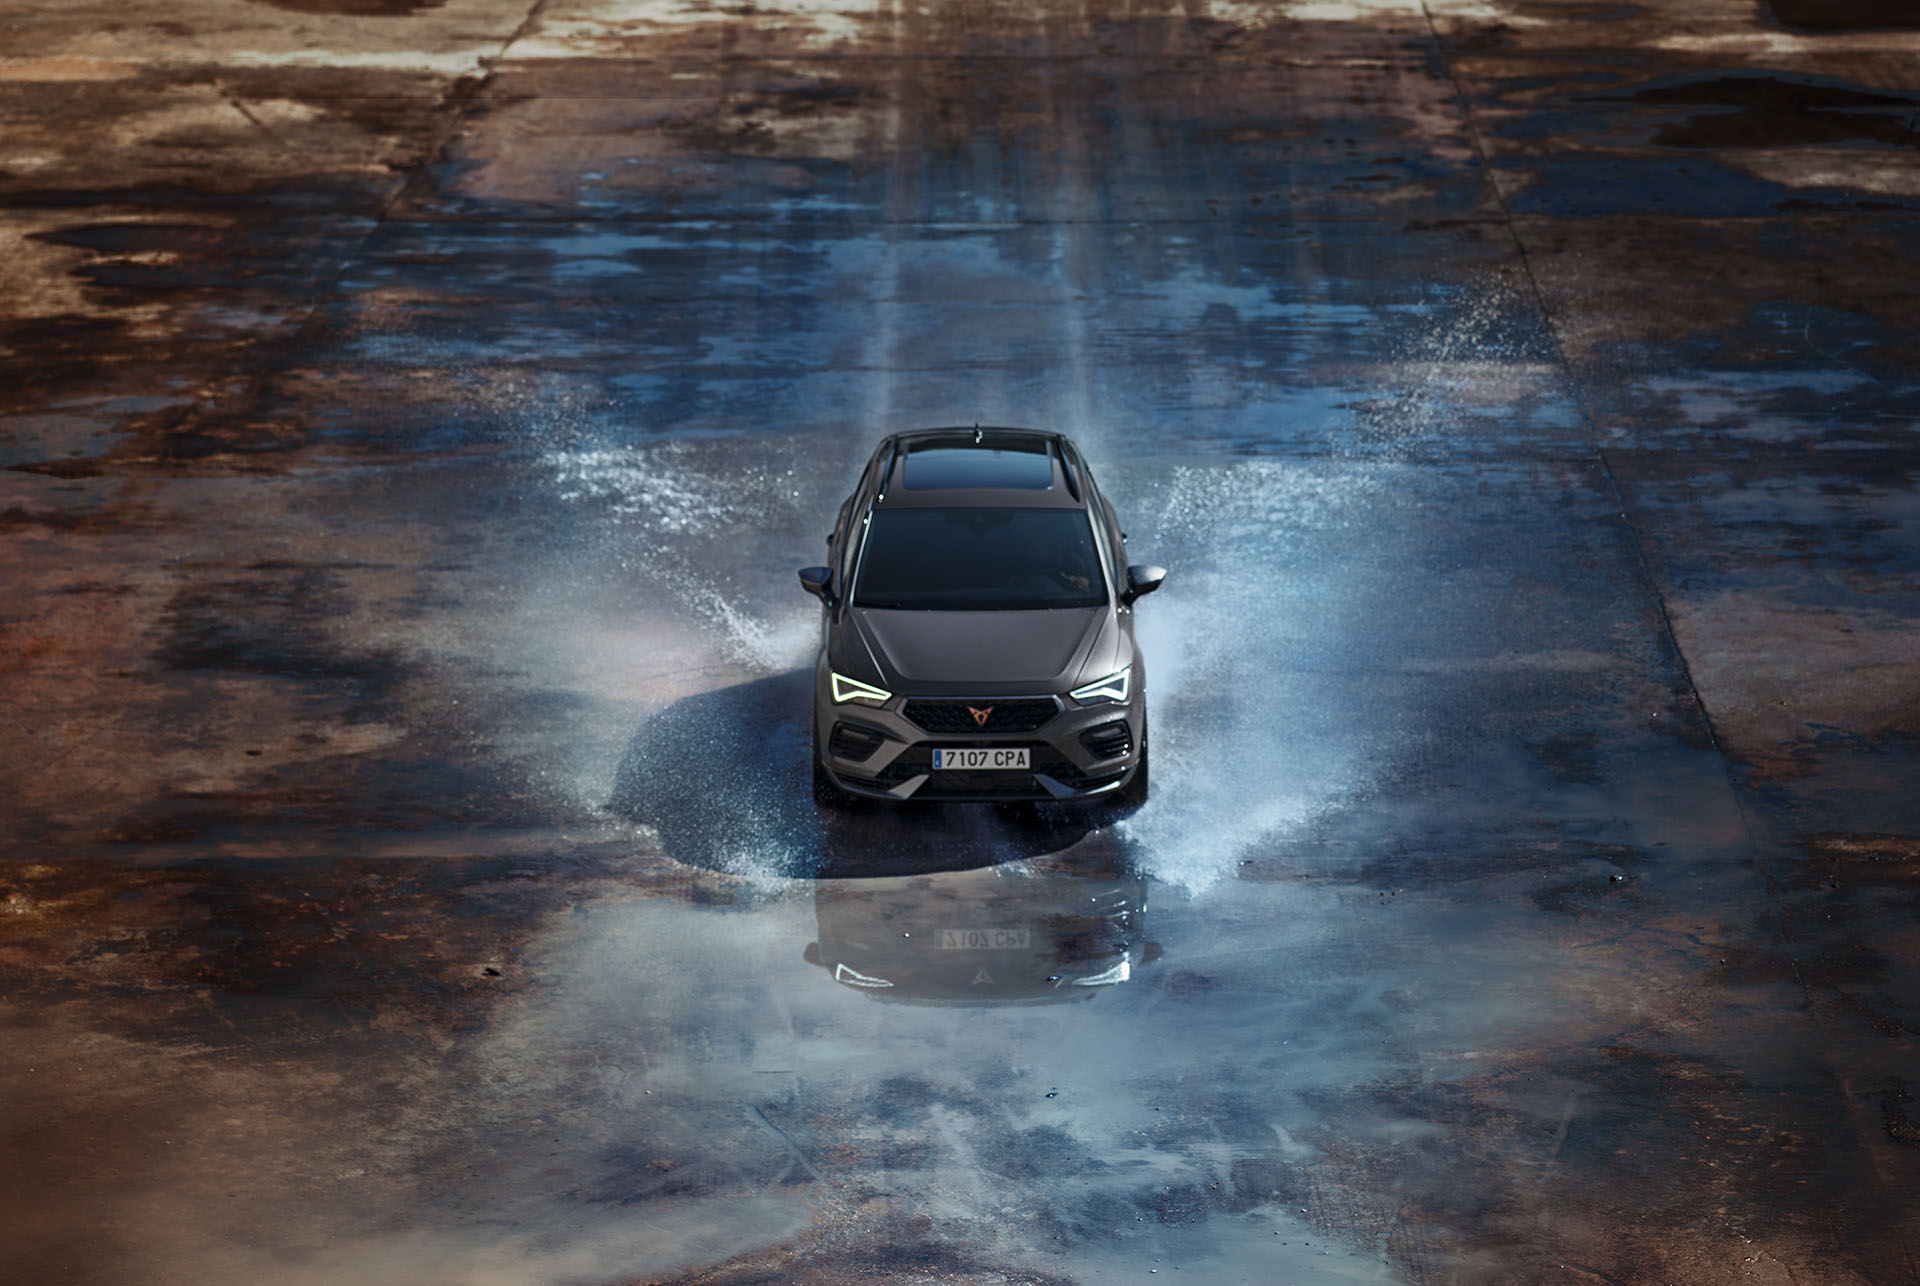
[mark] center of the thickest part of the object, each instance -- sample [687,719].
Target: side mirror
[815,580]
[1142,579]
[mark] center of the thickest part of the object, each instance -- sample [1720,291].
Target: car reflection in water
[917,902]
[1028,931]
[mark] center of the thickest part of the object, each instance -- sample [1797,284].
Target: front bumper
[1078,752]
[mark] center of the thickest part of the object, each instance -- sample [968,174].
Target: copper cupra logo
[979,715]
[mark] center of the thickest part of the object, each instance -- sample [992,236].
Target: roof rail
[893,458]
[1059,443]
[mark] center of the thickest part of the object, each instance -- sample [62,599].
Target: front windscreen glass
[976,560]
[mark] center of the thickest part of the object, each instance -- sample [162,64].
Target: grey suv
[978,636]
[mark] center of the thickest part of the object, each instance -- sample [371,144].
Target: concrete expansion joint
[1471,124]
[1576,389]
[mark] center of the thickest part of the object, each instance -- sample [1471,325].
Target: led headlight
[1112,688]
[845,690]
[854,978]
[1107,977]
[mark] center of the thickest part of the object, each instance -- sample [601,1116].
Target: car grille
[1008,714]
[1108,741]
[850,741]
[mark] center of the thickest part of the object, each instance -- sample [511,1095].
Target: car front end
[1078,742]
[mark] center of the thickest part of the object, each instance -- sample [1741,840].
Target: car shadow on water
[922,903]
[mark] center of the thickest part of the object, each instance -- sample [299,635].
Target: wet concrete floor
[412,416]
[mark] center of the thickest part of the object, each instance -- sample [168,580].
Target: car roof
[994,466]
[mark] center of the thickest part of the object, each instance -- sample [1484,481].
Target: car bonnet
[999,651]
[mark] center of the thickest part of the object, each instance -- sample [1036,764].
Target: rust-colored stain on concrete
[412,415]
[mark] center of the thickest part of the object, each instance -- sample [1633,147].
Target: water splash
[1252,688]
[649,486]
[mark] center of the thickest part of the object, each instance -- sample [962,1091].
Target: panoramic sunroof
[938,468]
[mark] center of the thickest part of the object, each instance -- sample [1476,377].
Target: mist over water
[1256,685]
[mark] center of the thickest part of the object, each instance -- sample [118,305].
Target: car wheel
[1134,793]
[825,793]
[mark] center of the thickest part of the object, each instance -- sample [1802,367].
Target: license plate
[984,939]
[979,758]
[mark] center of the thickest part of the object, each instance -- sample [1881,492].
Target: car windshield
[975,559]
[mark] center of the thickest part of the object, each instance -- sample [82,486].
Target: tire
[1134,793]
[825,793]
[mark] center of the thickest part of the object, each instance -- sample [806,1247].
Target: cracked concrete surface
[412,414]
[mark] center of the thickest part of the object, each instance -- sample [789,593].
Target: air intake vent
[852,742]
[1108,741]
